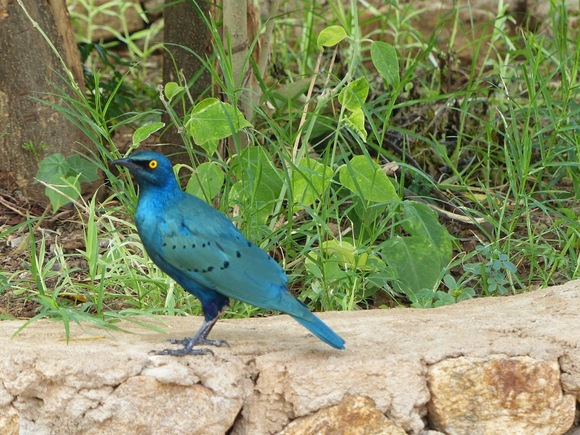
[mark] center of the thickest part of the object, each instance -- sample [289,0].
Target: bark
[29,69]
[186,34]
[235,35]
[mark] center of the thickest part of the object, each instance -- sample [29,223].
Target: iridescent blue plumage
[205,253]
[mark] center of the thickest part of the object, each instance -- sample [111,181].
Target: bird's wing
[206,246]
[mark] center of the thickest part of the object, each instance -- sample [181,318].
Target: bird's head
[149,168]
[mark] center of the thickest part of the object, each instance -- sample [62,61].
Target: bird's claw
[201,341]
[182,352]
[188,344]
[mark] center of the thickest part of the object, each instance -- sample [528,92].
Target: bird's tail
[317,327]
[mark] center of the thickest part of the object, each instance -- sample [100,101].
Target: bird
[201,249]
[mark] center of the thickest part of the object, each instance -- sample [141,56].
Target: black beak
[125,162]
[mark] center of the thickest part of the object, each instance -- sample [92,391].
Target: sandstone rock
[353,415]
[287,387]
[499,395]
[81,389]
[570,366]
[506,354]
[9,421]
[169,408]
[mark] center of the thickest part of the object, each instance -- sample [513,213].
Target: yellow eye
[152,164]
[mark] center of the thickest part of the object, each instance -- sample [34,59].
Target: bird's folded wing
[216,255]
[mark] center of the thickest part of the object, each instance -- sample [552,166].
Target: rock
[9,422]
[508,365]
[499,395]
[81,389]
[354,414]
[288,387]
[169,408]
[570,366]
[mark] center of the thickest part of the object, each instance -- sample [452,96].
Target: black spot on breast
[238,254]
[184,246]
[193,245]
[174,246]
[209,269]
[225,265]
[249,244]
[203,245]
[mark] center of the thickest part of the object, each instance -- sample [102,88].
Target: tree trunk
[235,34]
[186,34]
[31,129]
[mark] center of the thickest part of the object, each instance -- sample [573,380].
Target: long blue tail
[285,302]
[319,328]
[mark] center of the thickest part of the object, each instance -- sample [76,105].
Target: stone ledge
[511,363]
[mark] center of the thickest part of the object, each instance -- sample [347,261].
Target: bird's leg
[199,338]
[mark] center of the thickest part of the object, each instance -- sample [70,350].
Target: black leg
[200,338]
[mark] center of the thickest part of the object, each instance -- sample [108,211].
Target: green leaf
[66,174]
[207,181]
[145,131]
[330,36]
[53,170]
[450,282]
[364,177]
[423,222]
[353,95]
[385,60]
[54,165]
[466,293]
[171,89]
[259,181]
[211,146]
[68,185]
[309,182]
[368,212]
[312,268]
[329,270]
[84,168]
[292,90]
[356,122]
[412,258]
[212,120]
[443,298]
[420,258]
[345,253]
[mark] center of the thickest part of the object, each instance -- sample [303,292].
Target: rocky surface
[509,365]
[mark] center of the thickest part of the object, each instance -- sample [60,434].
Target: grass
[492,146]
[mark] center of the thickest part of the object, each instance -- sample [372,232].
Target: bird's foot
[188,344]
[203,341]
[182,352]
